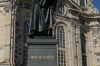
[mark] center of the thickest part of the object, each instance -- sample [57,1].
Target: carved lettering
[42,57]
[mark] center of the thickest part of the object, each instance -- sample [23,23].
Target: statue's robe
[42,15]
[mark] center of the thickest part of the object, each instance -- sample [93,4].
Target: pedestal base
[42,51]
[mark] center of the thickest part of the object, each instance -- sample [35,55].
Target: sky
[97,4]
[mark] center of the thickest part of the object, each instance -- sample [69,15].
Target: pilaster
[78,42]
[74,46]
[95,46]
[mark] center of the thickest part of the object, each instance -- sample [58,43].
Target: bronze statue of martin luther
[42,17]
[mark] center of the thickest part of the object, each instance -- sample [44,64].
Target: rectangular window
[82,3]
[83,49]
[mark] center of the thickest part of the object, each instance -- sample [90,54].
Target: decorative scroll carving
[95,32]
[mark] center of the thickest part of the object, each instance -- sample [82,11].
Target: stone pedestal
[42,51]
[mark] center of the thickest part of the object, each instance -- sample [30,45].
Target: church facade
[76,27]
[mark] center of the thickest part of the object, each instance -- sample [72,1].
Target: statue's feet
[31,34]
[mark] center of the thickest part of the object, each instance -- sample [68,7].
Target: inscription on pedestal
[42,51]
[42,55]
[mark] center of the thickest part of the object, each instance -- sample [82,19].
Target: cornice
[86,15]
[72,20]
[75,10]
[90,15]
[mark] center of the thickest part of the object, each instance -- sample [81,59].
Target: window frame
[61,53]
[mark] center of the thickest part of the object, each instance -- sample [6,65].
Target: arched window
[83,49]
[61,37]
[61,44]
